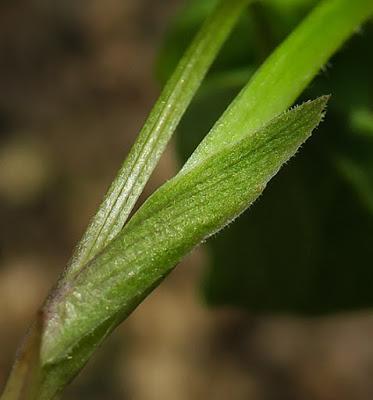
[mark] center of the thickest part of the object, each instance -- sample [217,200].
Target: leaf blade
[181,214]
[278,82]
[153,138]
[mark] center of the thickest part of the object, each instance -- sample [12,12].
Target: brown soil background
[76,83]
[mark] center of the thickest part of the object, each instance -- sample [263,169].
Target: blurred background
[278,306]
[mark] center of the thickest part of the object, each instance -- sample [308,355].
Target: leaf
[238,51]
[305,247]
[177,217]
[293,237]
[309,237]
[278,82]
[264,25]
[153,138]
[96,295]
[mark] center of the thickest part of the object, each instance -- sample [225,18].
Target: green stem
[159,127]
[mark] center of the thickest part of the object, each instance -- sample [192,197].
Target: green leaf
[305,247]
[114,268]
[278,82]
[153,138]
[180,32]
[259,30]
[309,237]
[301,255]
[177,217]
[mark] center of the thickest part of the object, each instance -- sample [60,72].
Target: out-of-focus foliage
[306,246]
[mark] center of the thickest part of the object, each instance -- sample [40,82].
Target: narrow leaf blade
[153,138]
[176,218]
[286,72]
